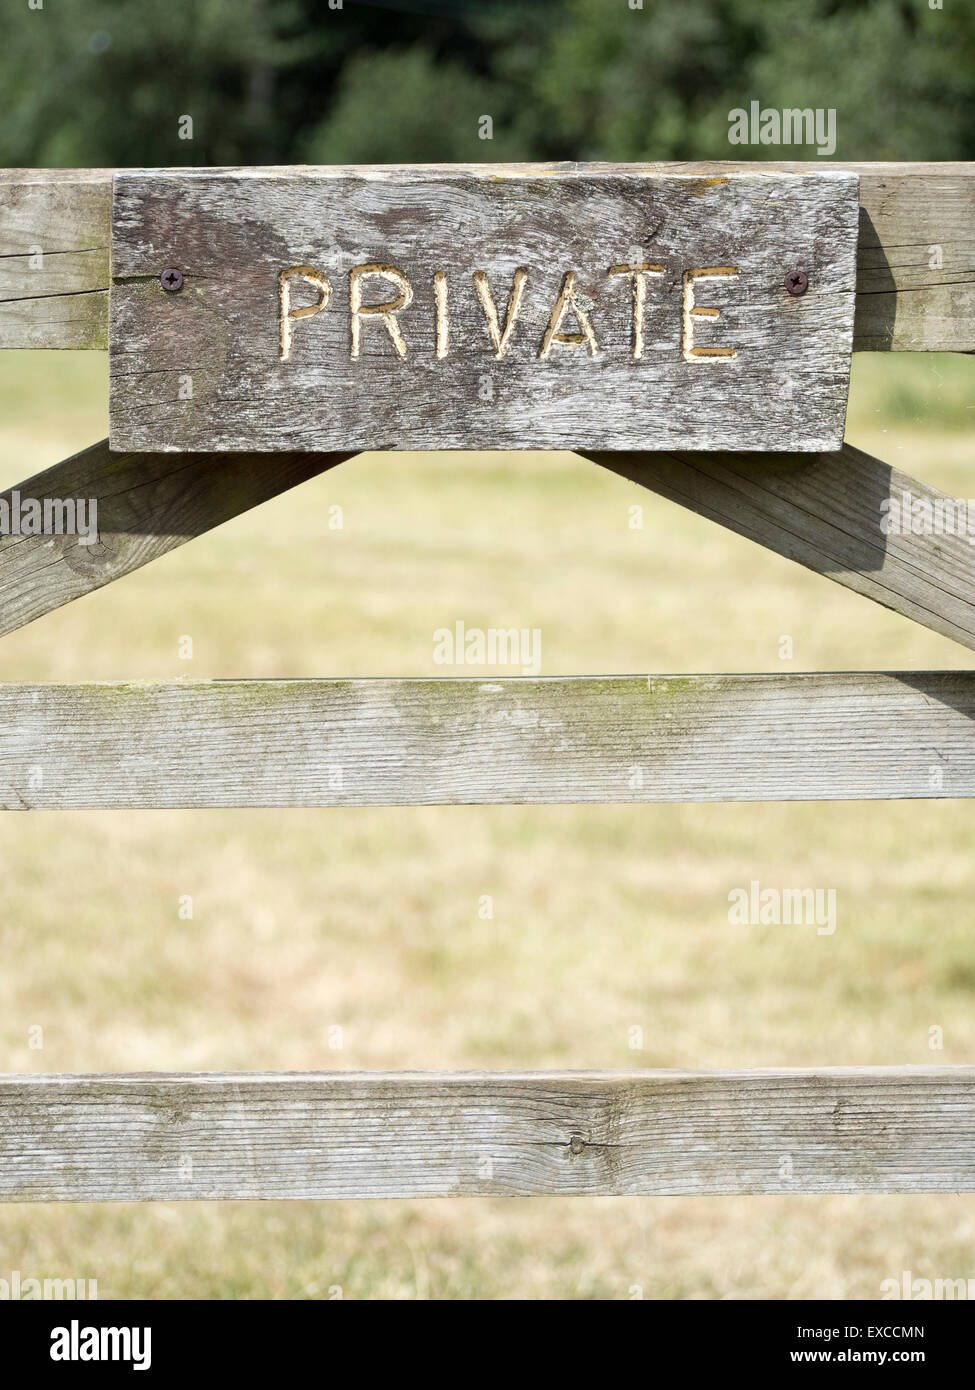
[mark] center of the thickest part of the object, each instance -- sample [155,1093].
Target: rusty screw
[171,281]
[797,282]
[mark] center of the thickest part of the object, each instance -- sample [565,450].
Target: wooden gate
[688,327]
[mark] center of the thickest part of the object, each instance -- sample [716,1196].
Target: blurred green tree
[263,81]
[660,82]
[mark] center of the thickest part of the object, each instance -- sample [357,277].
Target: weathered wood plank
[915,257]
[823,511]
[452,308]
[55,236]
[147,505]
[826,512]
[464,1134]
[849,736]
[909,298]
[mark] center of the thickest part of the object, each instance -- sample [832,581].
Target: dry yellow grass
[605,917]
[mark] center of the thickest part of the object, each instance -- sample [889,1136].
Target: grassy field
[605,917]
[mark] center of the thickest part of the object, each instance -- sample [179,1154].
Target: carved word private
[569,326]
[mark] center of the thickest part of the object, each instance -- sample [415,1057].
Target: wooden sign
[490,307]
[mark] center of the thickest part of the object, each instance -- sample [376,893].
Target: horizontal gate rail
[390,742]
[464,1134]
[915,260]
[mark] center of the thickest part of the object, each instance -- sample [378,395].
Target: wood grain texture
[58,298]
[906,301]
[822,511]
[915,256]
[464,1134]
[848,736]
[825,512]
[916,259]
[231,363]
[148,504]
